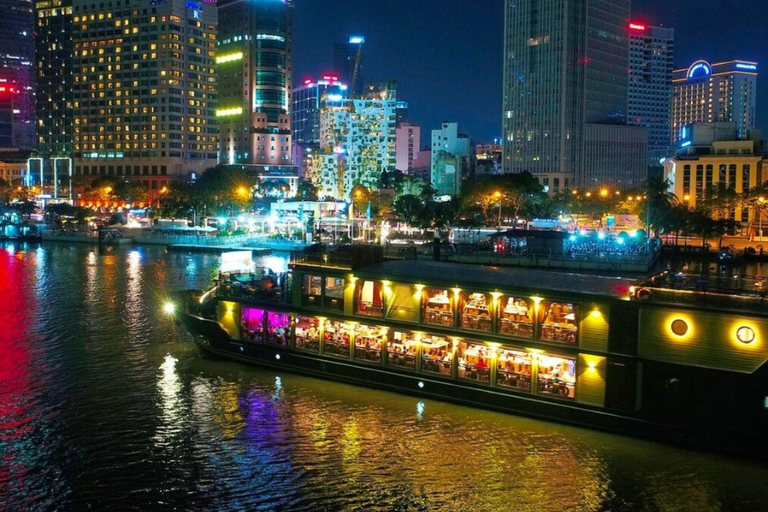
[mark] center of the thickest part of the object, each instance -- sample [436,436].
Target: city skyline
[434,41]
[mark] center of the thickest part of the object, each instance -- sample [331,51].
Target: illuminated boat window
[476,311]
[438,309]
[403,303]
[368,299]
[557,376]
[253,325]
[436,354]
[368,341]
[474,361]
[559,322]
[278,328]
[334,293]
[337,337]
[514,369]
[308,333]
[401,350]
[311,290]
[515,317]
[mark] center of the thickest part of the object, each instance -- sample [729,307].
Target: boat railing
[730,292]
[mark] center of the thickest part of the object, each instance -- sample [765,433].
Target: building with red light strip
[651,62]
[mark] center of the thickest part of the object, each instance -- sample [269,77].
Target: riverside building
[125,90]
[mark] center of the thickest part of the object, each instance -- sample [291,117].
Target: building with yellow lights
[706,93]
[713,156]
[143,91]
[672,356]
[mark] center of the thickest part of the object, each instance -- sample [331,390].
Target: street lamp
[497,195]
[604,192]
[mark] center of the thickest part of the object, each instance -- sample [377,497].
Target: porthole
[679,327]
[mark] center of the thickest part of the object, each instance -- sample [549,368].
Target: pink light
[637,26]
[307,81]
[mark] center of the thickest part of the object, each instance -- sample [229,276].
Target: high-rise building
[721,92]
[407,145]
[451,158]
[255,90]
[54,95]
[651,63]
[357,143]
[144,92]
[565,66]
[348,63]
[308,102]
[17,71]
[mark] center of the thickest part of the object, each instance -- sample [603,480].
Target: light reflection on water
[106,404]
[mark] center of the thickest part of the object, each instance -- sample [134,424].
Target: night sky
[447,55]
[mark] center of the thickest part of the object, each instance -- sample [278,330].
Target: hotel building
[721,92]
[144,91]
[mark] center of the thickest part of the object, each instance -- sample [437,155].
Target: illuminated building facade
[651,63]
[357,143]
[144,90]
[714,155]
[721,92]
[348,63]
[565,66]
[54,77]
[255,91]
[17,59]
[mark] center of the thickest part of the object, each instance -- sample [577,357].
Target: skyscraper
[144,90]
[651,62]
[17,71]
[254,67]
[308,102]
[565,66]
[721,92]
[348,63]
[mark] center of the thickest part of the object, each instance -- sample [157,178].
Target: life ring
[643,294]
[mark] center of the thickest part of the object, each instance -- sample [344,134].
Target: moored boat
[665,358]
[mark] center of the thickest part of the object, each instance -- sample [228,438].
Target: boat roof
[480,276]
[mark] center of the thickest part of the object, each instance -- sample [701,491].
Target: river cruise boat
[671,357]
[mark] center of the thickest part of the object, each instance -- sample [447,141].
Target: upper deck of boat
[534,281]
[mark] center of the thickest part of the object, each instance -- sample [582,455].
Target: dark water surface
[105,404]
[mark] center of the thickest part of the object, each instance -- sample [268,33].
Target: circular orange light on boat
[746,334]
[679,327]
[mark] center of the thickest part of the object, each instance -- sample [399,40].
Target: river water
[105,404]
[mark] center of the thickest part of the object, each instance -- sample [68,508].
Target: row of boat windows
[505,315]
[514,368]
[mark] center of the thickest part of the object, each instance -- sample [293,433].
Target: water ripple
[105,404]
